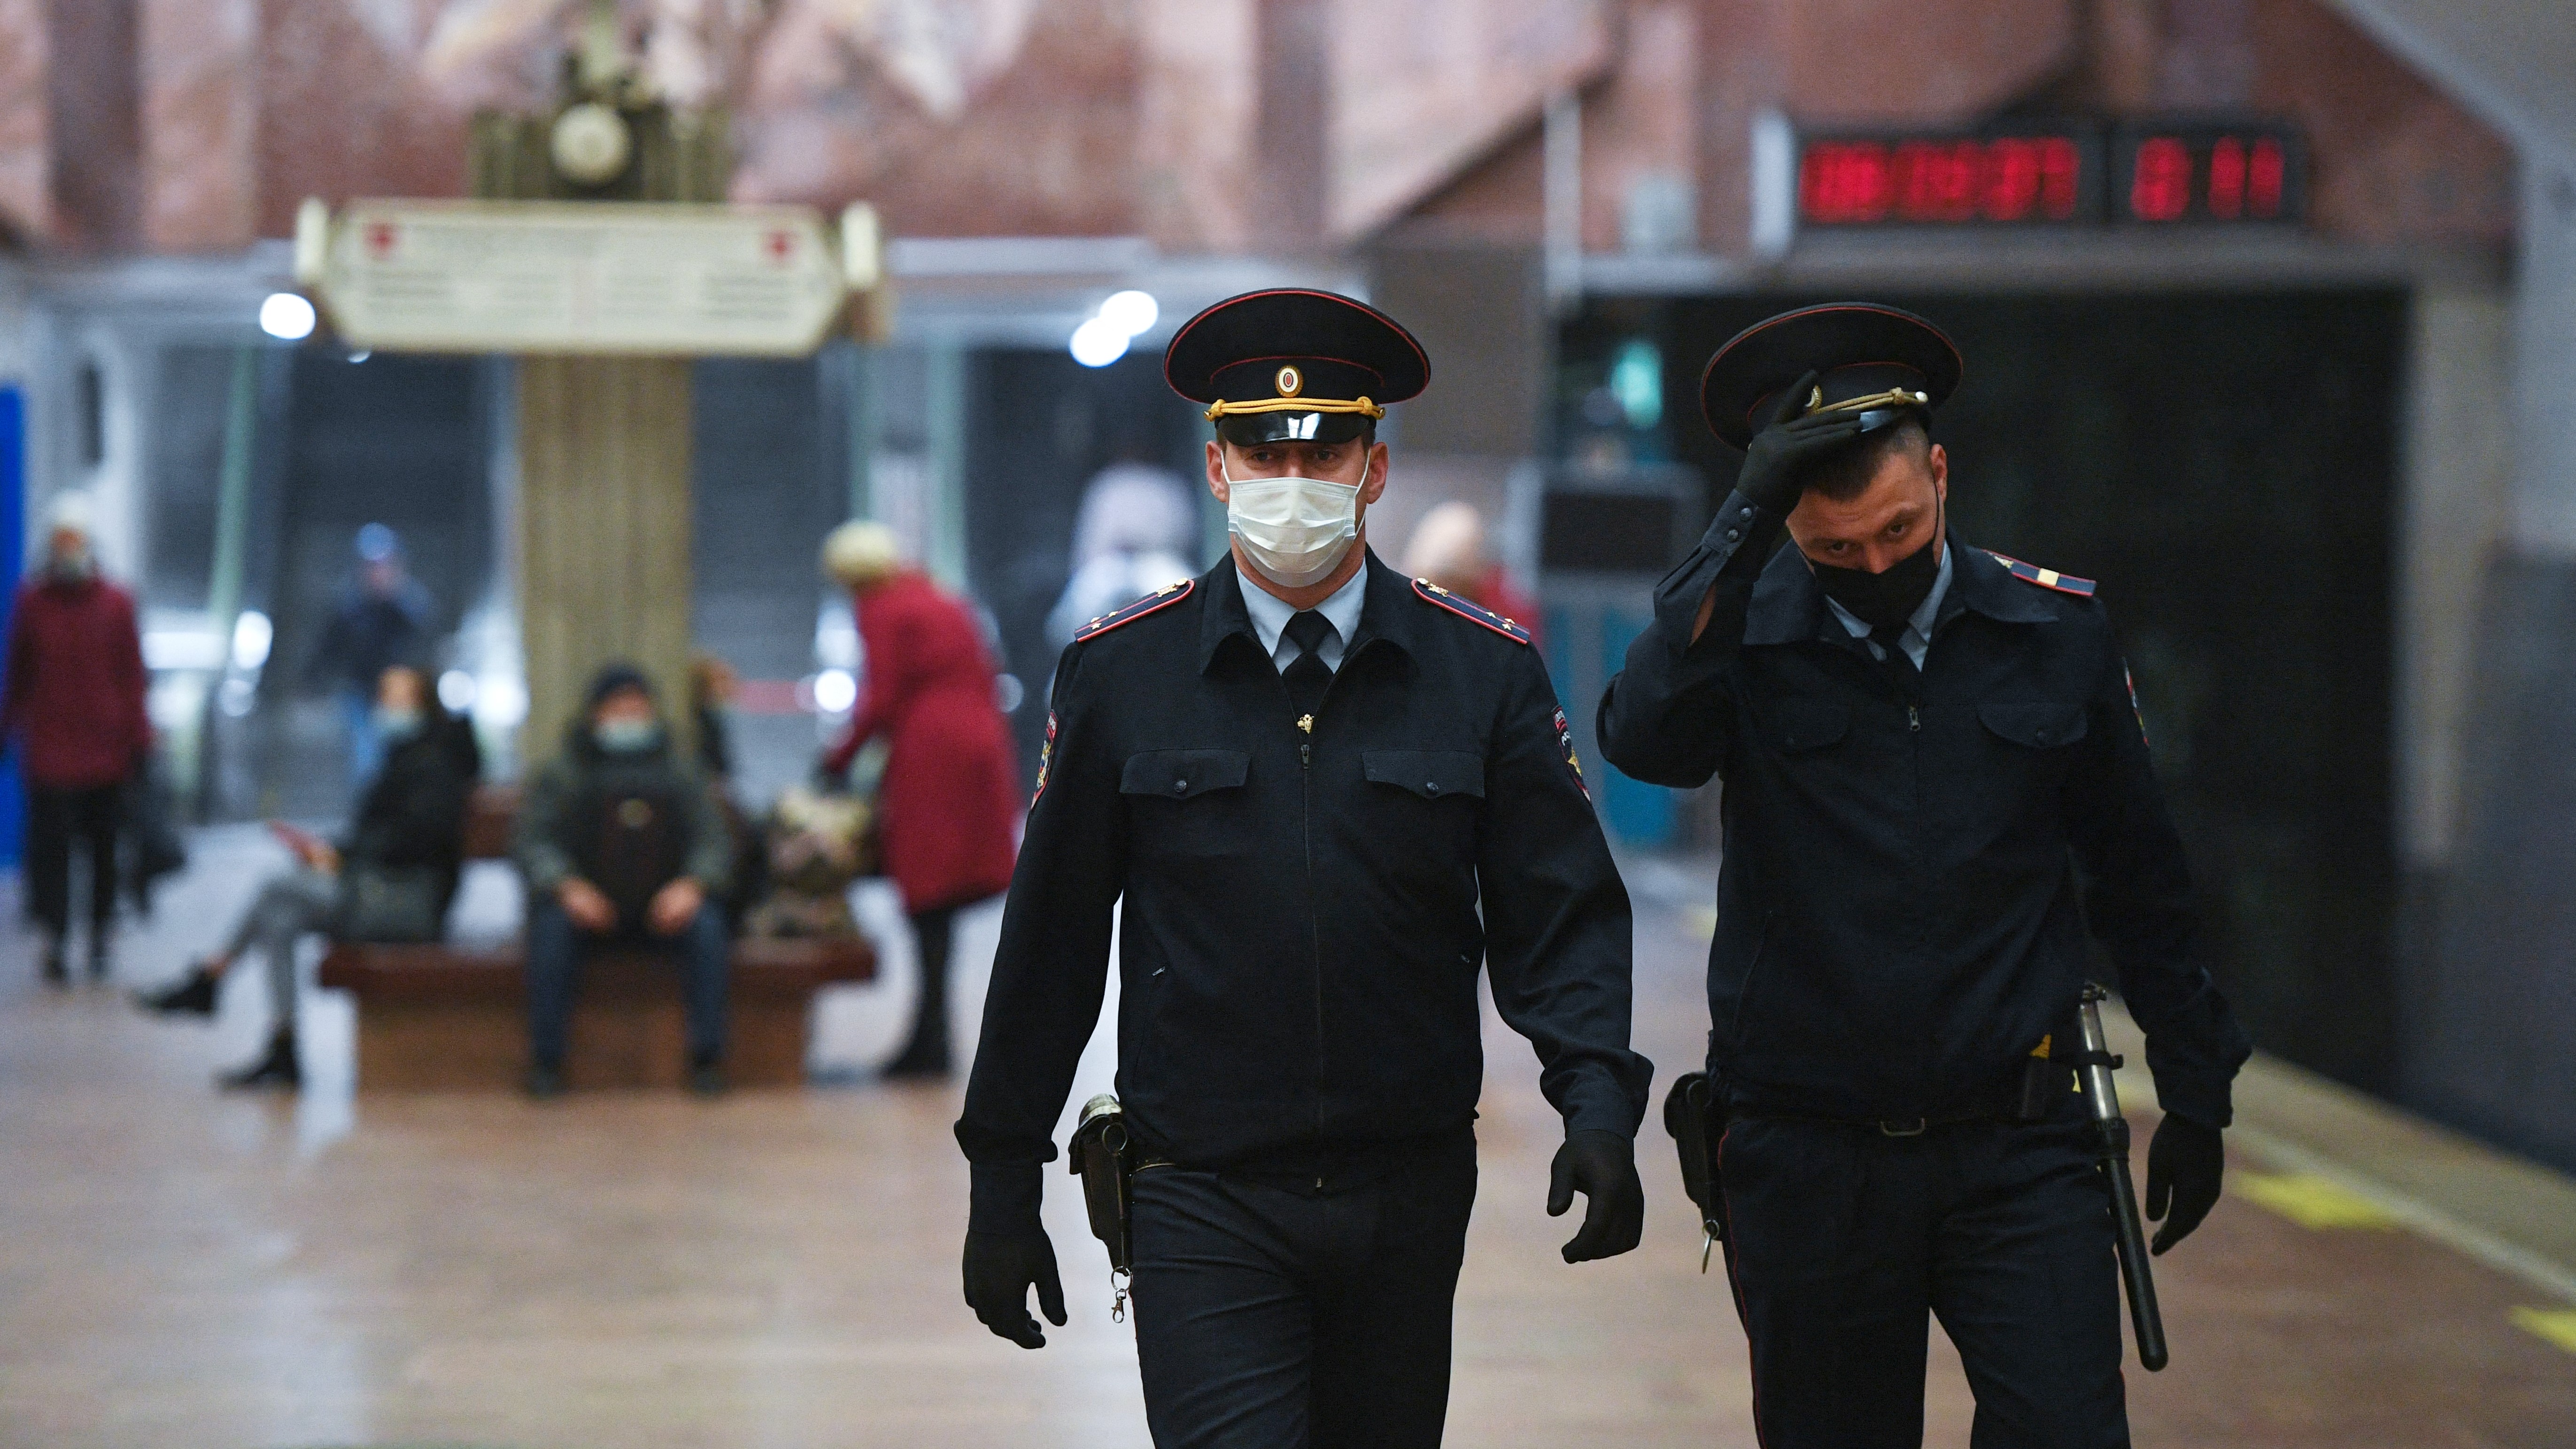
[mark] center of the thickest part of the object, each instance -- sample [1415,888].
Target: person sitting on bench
[391,879]
[624,846]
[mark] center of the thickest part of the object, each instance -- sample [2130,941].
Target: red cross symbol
[780,244]
[380,239]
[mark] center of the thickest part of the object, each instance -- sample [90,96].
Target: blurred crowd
[633,837]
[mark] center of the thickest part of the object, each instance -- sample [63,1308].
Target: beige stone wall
[200,65]
[23,209]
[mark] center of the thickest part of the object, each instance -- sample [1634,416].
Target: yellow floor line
[2558,1325]
[2314,1202]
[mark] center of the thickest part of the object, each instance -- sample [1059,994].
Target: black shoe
[707,1080]
[543,1083]
[54,971]
[925,1059]
[276,1070]
[192,994]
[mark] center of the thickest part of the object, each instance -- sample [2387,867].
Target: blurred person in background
[1137,531]
[74,706]
[713,687]
[381,619]
[950,793]
[391,877]
[623,843]
[1448,548]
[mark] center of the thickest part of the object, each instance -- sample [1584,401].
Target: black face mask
[1887,599]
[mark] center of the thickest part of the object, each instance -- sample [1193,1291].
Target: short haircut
[1843,474]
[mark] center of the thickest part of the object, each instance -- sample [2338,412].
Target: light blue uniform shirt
[1916,641]
[1271,613]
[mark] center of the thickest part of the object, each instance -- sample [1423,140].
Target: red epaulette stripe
[1135,611]
[2031,573]
[1469,609]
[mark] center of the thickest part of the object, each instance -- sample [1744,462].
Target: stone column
[603,537]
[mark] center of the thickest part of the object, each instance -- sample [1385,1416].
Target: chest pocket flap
[1180,774]
[1431,774]
[2044,725]
[1811,724]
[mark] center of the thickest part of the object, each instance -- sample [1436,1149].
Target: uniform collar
[1270,613]
[1789,605]
[1385,610]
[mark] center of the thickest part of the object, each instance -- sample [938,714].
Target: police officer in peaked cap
[1935,776]
[1326,795]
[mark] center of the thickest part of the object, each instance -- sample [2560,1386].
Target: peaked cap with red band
[1293,364]
[1865,354]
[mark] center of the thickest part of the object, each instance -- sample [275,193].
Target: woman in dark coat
[411,818]
[951,793]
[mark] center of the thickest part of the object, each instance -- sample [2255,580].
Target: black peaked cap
[1293,342]
[1857,349]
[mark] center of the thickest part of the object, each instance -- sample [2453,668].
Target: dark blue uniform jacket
[1900,920]
[1300,940]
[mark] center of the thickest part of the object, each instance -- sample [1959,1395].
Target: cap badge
[1291,382]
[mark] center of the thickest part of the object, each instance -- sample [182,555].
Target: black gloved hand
[1603,1166]
[1000,1270]
[1787,444]
[829,781]
[2184,1165]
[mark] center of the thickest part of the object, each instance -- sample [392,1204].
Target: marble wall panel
[200,68]
[346,107]
[24,213]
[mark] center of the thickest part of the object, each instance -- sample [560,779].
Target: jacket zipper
[1314,922]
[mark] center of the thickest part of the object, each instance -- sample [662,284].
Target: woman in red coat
[951,792]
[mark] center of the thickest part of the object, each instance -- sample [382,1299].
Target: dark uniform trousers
[1269,1317]
[1844,1242]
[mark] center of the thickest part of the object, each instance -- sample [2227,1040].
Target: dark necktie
[1307,676]
[1899,665]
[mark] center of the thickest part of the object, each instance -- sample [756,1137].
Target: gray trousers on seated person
[290,906]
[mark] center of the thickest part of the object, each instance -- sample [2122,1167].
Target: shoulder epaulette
[2045,578]
[1162,598]
[1467,608]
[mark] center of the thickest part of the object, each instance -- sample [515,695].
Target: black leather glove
[1000,1270]
[1787,444]
[2184,1165]
[1603,1167]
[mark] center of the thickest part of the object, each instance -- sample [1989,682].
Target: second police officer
[1326,795]
[1935,778]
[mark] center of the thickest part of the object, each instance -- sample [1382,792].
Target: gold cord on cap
[1222,409]
[1893,397]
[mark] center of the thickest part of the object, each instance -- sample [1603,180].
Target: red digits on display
[2227,178]
[2057,177]
[2266,179]
[1844,181]
[2160,180]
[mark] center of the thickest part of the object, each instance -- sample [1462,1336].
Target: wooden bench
[440,1018]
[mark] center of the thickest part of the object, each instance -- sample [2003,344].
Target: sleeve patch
[2135,708]
[2046,578]
[1467,608]
[1160,599]
[1046,759]
[1565,742]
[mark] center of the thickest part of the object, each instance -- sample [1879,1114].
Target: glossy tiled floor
[183,1269]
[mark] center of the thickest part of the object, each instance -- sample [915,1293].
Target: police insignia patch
[2045,578]
[1565,742]
[1162,598]
[1046,758]
[1467,608]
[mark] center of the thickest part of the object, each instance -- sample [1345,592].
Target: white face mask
[1294,530]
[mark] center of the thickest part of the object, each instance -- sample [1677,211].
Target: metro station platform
[196,1271]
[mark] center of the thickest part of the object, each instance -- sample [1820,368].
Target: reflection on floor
[184,1269]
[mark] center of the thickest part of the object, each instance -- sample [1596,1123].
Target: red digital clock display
[2208,173]
[2075,172]
[1944,180]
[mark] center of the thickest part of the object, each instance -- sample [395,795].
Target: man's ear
[1216,470]
[1938,460]
[1373,482]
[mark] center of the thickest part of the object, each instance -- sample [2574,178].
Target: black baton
[2102,1095]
